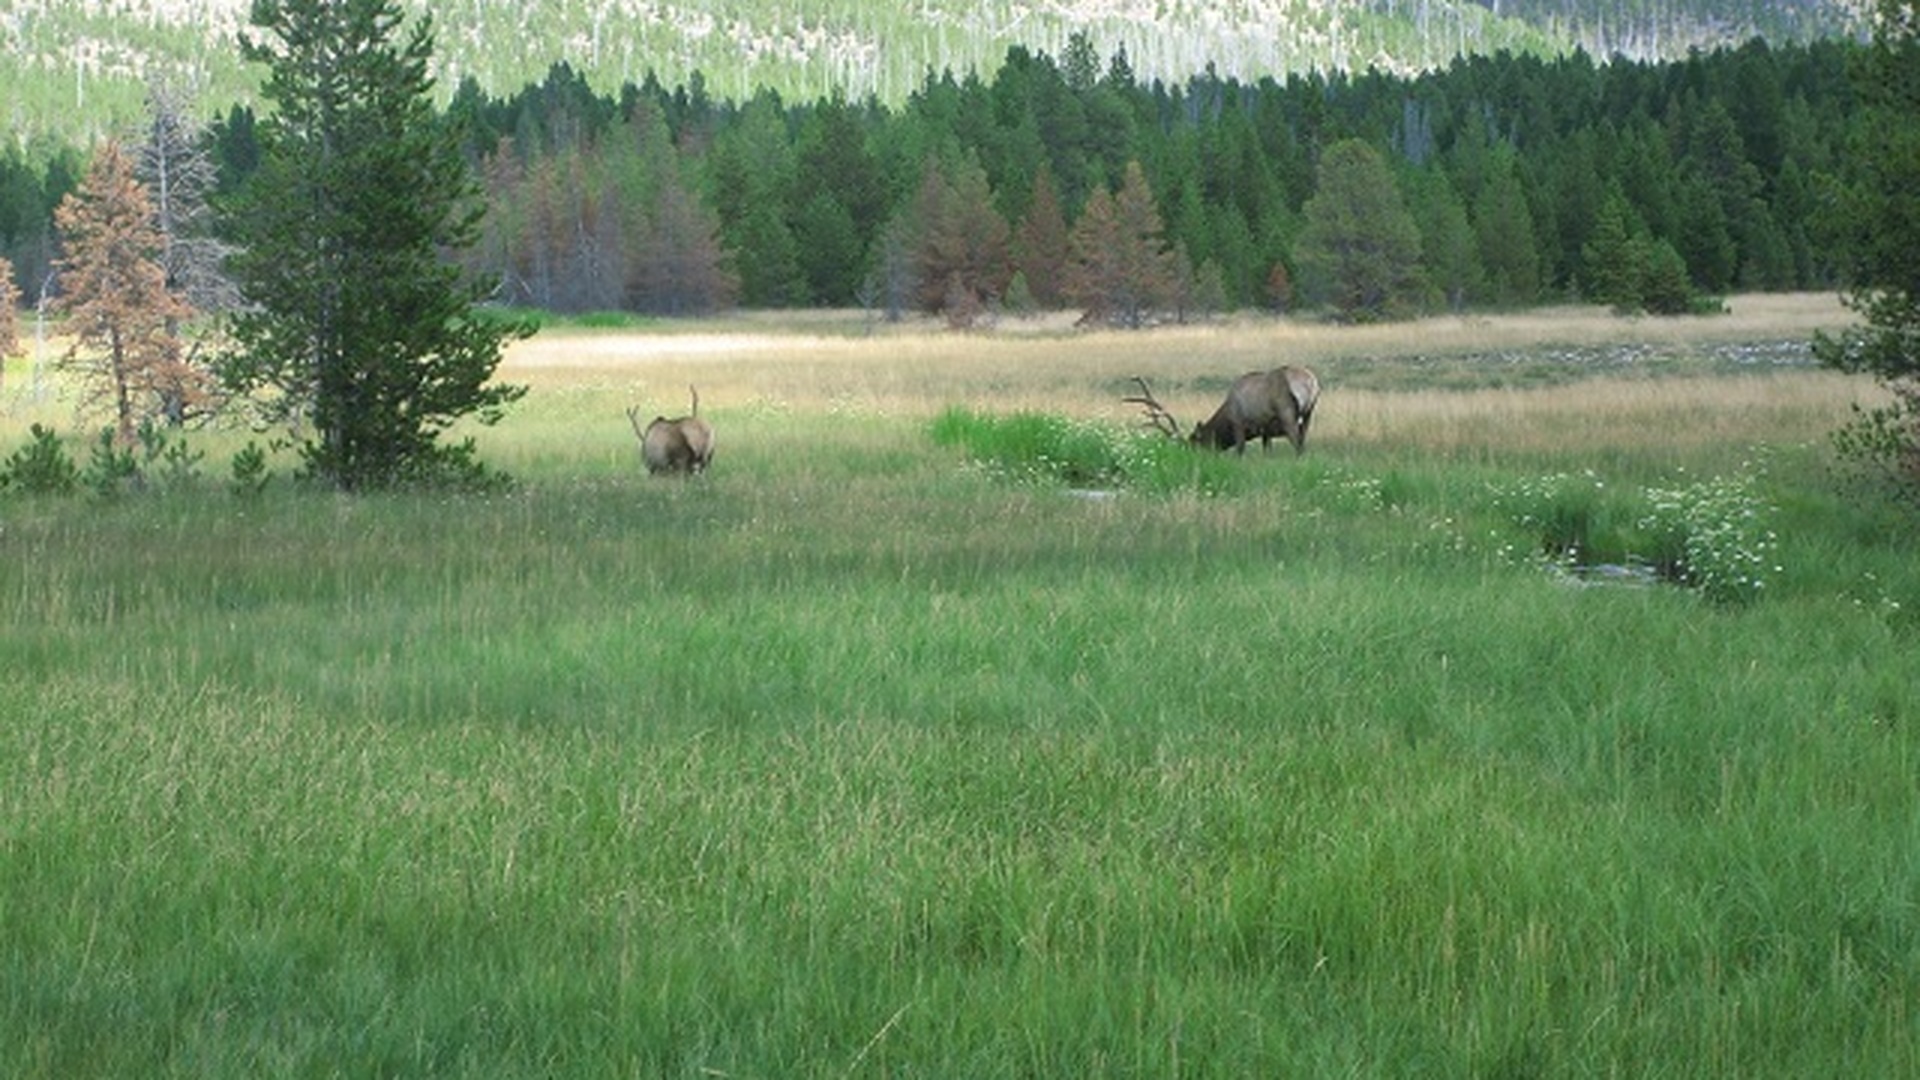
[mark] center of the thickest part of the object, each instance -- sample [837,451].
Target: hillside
[71,68]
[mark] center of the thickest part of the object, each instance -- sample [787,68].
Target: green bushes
[1040,448]
[41,467]
[159,460]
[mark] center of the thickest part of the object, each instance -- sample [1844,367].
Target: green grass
[851,759]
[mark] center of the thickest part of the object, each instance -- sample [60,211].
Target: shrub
[250,472]
[41,467]
[1038,447]
[112,470]
[1717,532]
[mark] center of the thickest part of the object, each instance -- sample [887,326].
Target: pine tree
[114,290]
[1040,245]
[961,259]
[1613,259]
[1665,287]
[1449,249]
[840,208]
[358,326]
[1120,268]
[1360,247]
[751,172]
[680,268]
[1509,246]
[1879,221]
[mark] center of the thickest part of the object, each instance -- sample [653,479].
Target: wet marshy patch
[1711,535]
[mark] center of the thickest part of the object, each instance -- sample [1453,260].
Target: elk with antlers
[680,445]
[1260,404]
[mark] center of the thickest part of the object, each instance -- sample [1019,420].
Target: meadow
[877,753]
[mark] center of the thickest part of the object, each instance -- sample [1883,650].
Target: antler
[633,417]
[1158,418]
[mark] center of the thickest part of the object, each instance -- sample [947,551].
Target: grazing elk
[683,444]
[1260,405]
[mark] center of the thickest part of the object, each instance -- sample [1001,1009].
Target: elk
[683,444]
[1260,404]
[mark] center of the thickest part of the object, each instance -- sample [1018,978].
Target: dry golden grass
[1413,386]
[1609,411]
[762,365]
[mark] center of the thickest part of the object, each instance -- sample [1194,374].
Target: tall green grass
[851,759]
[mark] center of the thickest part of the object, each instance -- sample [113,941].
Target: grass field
[860,756]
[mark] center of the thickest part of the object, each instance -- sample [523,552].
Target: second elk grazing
[1260,405]
[683,444]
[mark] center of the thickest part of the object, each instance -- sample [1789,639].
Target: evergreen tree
[830,252]
[1449,249]
[114,289]
[1040,245]
[1509,250]
[1613,259]
[1722,200]
[962,260]
[1360,247]
[637,162]
[1665,287]
[1878,220]
[840,208]
[28,194]
[680,268]
[1120,268]
[1704,238]
[751,173]
[357,325]
[236,148]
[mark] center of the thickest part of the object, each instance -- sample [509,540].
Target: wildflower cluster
[1571,516]
[1344,491]
[1711,535]
[1715,536]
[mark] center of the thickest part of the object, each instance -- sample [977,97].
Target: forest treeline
[1066,181]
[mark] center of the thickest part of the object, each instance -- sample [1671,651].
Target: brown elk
[683,444]
[1259,405]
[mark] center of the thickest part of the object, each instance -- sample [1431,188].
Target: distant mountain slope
[1663,29]
[72,68]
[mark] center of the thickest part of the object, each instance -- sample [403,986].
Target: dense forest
[1498,180]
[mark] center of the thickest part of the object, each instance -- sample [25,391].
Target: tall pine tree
[1879,220]
[1040,245]
[1120,267]
[358,326]
[1360,246]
